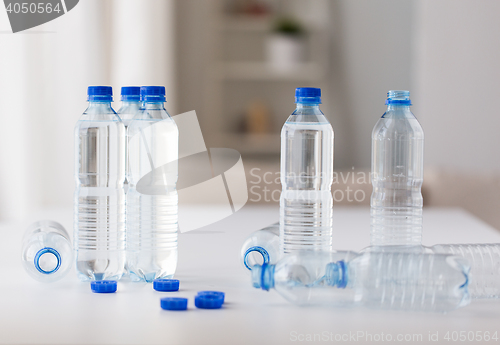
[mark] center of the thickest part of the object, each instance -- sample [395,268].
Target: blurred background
[237,63]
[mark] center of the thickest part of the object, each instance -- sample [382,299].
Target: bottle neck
[99,106]
[307,109]
[153,105]
[398,107]
[130,103]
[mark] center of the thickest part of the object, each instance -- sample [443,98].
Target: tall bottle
[383,280]
[152,200]
[306,176]
[99,214]
[397,174]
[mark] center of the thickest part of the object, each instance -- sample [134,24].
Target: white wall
[457,83]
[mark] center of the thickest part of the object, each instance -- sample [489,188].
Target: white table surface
[67,312]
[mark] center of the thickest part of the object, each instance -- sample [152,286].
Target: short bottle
[99,204]
[397,174]
[306,176]
[47,254]
[385,280]
[261,247]
[152,200]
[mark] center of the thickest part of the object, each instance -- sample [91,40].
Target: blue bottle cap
[308,95]
[153,94]
[174,303]
[100,94]
[103,286]
[131,93]
[166,285]
[214,293]
[401,97]
[209,301]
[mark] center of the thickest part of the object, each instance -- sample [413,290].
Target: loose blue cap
[131,93]
[400,97]
[212,293]
[308,95]
[103,286]
[166,285]
[209,301]
[174,303]
[100,94]
[153,94]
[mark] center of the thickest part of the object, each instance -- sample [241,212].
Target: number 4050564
[471,336]
[31,7]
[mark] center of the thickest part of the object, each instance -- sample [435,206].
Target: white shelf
[262,71]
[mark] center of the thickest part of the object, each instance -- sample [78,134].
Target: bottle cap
[103,286]
[210,301]
[401,97]
[153,94]
[174,303]
[166,285]
[131,93]
[308,95]
[100,94]
[214,293]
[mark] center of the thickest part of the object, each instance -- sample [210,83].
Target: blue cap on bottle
[153,94]
[308,95]
[213,293]
[174,303]
[131,93]
[208,301]
[401,97]
[166,285]
[100,94]
[103,286]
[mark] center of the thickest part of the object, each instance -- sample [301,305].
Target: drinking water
[152,200]
[397,174]
[99,215]
[387,280]
[306,176]
[261,247]
[47,254]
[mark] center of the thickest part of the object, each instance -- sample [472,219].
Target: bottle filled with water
[47,254]
[261,247]
[382,280]
[99,215]
[152,200]
[397,174]
[306,176]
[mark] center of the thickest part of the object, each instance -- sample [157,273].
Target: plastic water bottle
[387,280]
[306,176]
[99,213]
[485,266]
[397,174]
[261,247]
[152,200]
[47,254]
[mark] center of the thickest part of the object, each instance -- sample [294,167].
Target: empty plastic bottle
[387,280]
[397,174]
[152,200]
[47,254]
[306,176]
[484,278]
[261,247]
[99,222]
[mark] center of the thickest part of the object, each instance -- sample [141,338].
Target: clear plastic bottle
[261,247]
[152,200]
[306,176]
[131,105]
[485,266]
[47,254]
[386,280]
[99,222]
[397,174]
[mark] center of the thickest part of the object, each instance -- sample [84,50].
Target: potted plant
[285,44]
